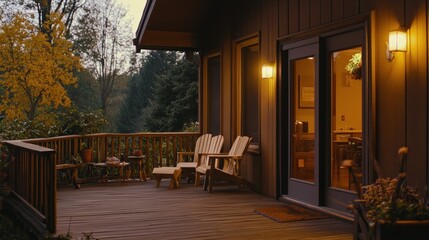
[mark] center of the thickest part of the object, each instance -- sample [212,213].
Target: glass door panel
[302,154]
[346,119]
[303,161]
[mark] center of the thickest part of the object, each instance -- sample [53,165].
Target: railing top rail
[145,134]
[29,146]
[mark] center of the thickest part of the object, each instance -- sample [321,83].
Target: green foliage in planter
[389,208]
[379,205]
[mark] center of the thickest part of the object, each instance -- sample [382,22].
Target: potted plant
[85,152]
[354,67]
[390,209]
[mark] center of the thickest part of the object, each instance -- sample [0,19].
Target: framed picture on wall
[305,92]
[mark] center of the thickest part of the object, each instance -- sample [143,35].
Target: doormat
[289,213]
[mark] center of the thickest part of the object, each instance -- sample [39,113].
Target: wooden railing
[33,182]
[160,149]
[33,161]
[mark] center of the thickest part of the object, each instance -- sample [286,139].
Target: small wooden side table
[141,164]
[119,165]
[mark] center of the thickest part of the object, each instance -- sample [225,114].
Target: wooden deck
[138,210]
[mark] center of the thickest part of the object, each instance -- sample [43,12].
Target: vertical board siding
[283,11]
[351,8]
[325,11]
[365,6]
[293,16]
[315,13]
[338,9]
[427,97]
[416,84]
[304,15]
[301,15]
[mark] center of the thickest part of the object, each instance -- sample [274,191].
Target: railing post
[51,185]
[33,196]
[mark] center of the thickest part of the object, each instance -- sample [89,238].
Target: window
[212,90]
[248,89]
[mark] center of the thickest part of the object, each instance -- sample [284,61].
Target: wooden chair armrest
[200,155]
[217,154]
[224,156]
[212,158]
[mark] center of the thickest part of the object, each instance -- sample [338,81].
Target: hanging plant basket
[357,74]
[354,67]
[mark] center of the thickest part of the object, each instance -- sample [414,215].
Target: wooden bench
[167,172]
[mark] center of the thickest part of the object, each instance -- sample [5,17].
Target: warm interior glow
[267,71]
[397,41]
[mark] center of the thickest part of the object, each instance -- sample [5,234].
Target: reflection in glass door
[302,150]
[346,119]
[303,129]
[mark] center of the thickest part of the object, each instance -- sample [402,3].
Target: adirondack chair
[202,164]
[230,170]
[201,146]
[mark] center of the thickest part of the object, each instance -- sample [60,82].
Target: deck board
[139,210]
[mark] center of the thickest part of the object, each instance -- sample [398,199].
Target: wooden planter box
[402,230]
[399,230]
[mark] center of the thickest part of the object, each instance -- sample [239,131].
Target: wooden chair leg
[206,181]
[211,180]
[158,181]
[197,178]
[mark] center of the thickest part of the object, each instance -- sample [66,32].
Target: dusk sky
[135,11]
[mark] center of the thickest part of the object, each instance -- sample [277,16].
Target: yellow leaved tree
[35,67]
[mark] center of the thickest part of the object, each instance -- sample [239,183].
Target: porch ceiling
[177,24]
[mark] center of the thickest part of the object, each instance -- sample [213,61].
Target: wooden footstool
[167,172]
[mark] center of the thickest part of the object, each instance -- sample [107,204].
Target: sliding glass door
[322,119]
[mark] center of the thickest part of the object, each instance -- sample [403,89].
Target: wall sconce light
[267,71]
[397,43]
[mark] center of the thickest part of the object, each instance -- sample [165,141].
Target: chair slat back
[239,147]
[216,144]
[202,145]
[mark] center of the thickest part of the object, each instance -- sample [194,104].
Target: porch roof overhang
[172,25]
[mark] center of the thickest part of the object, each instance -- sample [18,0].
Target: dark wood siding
[416,85]
[300,15]
[401,87]
[315,13]
[402,90]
